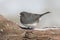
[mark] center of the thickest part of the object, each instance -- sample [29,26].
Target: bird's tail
[44,14]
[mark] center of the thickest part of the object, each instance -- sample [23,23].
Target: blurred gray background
[11,8]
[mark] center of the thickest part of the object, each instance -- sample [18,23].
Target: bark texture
[11,31]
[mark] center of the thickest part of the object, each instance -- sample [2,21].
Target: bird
[30,20]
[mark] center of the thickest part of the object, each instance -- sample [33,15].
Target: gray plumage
[30,18]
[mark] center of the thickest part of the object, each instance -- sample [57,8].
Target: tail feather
[44,14]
